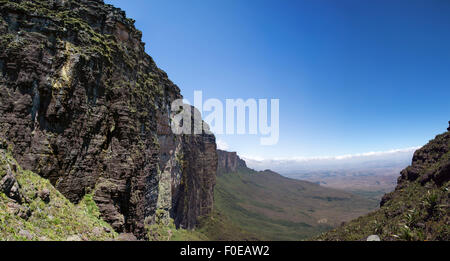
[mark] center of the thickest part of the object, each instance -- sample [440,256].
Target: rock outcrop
[229,162]
[84,106]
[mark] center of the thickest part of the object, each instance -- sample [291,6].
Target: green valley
[269,206]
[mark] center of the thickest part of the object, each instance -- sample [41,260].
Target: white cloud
[222,145]
[341,157]
[395,156]
[376,153]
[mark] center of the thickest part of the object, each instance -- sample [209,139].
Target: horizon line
[339,157]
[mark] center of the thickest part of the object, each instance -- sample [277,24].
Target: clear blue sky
[352,76]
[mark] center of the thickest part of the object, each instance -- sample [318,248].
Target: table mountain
[229,162]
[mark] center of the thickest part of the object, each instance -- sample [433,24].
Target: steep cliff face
[418,209]
[229,162]
[187,166]
[84,106]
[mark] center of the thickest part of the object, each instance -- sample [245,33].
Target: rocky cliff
[418,209]
[229,162]
[85,107]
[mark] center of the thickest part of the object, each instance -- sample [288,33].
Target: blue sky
[352,76]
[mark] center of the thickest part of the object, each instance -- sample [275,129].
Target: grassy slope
[272,207]
[161,231]
[56,220]
[216,227]
[220,227]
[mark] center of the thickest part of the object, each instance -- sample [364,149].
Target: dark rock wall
[187,168]
[84,106]
[196,189]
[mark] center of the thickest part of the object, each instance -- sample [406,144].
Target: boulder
[74,238]
[44,195]
[126,237]
[373,238]
[10,186]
